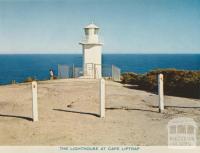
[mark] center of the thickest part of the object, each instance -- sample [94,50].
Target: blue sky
[127,26]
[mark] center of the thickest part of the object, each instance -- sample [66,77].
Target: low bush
[176,82]
[29,79]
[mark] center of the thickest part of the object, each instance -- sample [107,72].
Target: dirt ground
[69,109]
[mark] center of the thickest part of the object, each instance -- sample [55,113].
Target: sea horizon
[102,53]
[20,66]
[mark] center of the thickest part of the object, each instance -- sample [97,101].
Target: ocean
[19,67]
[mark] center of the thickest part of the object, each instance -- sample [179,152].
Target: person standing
[51,74]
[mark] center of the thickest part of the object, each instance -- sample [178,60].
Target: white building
[92,52]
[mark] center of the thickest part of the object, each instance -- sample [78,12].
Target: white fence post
[102,97]
[34,101]
[160,93]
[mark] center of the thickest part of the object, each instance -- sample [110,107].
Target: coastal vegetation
[30,79]
[176,82]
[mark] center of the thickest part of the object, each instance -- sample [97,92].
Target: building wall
[92,60]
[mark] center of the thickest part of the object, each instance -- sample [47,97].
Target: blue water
[19,67]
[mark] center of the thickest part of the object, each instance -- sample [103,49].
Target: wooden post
[160,93]
[34,101]
[102,97]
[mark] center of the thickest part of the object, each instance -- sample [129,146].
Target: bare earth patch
[69,109]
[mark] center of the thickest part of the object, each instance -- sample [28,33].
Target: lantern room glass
[96,30]
[87,32]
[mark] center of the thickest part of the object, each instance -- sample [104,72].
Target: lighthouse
[92,52]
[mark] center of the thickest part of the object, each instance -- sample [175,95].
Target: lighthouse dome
[91,26]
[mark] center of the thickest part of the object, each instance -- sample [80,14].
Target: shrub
[129,77]
[29,79]
[176,82]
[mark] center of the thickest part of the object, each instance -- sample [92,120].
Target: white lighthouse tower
[91,52]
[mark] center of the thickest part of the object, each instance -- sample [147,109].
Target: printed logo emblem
[182,132]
